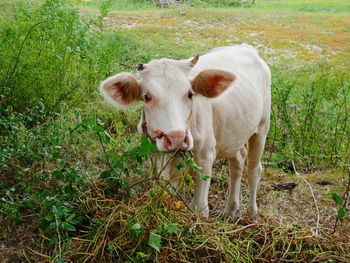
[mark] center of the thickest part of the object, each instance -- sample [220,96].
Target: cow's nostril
[167,142]
[174,140]
[187,140]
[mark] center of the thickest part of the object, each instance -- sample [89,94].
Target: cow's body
[220,125]
[232,118]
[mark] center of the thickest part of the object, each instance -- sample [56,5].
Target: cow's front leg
[199,202]
[169,171]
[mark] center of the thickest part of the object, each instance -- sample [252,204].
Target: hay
[283,232]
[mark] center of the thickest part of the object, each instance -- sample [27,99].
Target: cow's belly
[236,118]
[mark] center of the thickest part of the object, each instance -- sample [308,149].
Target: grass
[70,166]
[316,6]
[119,5]
[120,228]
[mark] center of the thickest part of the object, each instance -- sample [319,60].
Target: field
[77,184]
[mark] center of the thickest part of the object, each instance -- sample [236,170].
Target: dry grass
[305,37]
[284,231]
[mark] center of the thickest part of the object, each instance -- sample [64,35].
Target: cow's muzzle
[176,140]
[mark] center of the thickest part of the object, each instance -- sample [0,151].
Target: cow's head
[168,96]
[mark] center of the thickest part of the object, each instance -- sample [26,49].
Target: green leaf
[147,147]
[152,193]
[137,229]
[193,164]
[171,228]
[341,213]
[58,174]
[68,227]
[105,174]
[71,217]
[98,128]
[154,240]
[336,198]
[49,218]
[203,177]
[179,165]
[142,257]
[200,239]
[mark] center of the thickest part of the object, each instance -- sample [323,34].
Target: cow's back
[239,111]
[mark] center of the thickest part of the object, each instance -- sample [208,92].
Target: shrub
[310,119]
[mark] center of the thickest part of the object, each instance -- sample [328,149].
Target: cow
[217,105]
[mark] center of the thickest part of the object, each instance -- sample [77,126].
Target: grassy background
[68,161]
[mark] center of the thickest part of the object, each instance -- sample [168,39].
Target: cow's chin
[161,147]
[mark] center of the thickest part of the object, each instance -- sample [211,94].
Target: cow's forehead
[166,74]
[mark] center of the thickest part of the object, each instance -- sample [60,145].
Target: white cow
[215,105]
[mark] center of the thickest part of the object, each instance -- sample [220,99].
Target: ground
[277,33]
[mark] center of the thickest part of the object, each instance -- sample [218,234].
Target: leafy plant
[341,202]
[155,240]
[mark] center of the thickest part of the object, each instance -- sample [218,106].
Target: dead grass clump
[121,228]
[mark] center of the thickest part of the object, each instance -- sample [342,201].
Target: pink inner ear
[111,90]
[218,84]
[214,80]
[115,91]
[125,91]
[211,83]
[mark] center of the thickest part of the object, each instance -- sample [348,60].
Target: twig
[36,253]
[59,236]
[156,177]
[104,152]
[317,210]
[237,230]
[20,50]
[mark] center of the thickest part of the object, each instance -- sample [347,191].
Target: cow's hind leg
[236,165]
[256,146]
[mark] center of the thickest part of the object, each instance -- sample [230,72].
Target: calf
[214,105]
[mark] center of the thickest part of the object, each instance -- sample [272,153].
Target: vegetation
[78,185]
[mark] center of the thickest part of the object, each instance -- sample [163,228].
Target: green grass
[317,6]
[70,165]
[313,6]
[117,5]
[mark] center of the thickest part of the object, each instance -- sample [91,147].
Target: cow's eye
[190,95]
[147,98]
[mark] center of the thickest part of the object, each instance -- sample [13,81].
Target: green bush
[47,53]
[310,120]
[42,54]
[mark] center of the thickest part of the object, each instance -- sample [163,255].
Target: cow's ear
[212,82]
[121,90]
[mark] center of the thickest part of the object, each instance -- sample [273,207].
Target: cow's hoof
[233,214]
[217,213]
[252,212]
[203,212]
